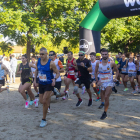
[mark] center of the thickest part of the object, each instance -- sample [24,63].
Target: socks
[80,99]
[44,119]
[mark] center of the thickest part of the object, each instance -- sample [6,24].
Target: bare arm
[115,69]
[5,68]
[18,70]
[96,71]
[32,65]
[75,64]
[36,71]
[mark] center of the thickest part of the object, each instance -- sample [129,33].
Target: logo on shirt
[85,45]
[108,68]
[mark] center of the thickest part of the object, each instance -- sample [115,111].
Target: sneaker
[27,96]
[79,103]
[49,110]
[63,98]
[83,90]
[98,99]
[90,103]
[26,104]
[36,102]
[8,89]
[43,123]
[67,94]
[57,93]
[104,115]
[57,98]
[114,89]
[125,89]
[37,95]
[134,91]
[31,102]
[101,106]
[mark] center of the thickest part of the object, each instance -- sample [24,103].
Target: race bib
[71,72]
[123,70]
[131,70]
[105,78]
[42,77]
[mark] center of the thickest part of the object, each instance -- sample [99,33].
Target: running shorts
[37,80]
[131,74]
[138,72]
[107,84]
[124,73]
[44,88]
[2,82]
[80,81]
[71,77]
[58,85]
[26,80]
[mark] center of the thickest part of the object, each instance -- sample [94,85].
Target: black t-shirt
[82,71]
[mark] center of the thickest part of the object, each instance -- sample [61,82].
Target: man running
[104,67]
[45,69]
[84,66]
[71,66]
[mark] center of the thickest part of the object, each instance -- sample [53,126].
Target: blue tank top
[123,70]
[1,72]
[44,73]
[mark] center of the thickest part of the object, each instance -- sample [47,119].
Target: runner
[33,73]
[124,71]
[138,72]
[26,80]
[71,66]
[45,69]
[84,66]
[132,71]
[93,81]
[59,66]
[2,77]
[106,79]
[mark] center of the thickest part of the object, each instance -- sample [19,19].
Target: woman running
[26,80]
[132,71]
[124,71]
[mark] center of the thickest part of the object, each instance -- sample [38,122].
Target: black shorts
[124,73]
[37,80]
[2,82]
[86,82]
[119,70]
[27,80]
[58,85]
[44,88]
[138,72]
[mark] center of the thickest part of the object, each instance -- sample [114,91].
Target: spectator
[62,59]
[13,64]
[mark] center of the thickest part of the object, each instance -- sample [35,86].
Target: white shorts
[108,84]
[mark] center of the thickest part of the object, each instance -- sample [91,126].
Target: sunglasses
[50,54]
[81,54]
[42,53]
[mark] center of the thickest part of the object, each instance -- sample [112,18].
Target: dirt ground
[66,121]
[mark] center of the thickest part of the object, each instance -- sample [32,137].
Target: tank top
[44,72]
[105,72]
[71,70]
[131,67]
[123,70]
[93,64]
[1,73]
[26,71]
[57,66]
[33,71]
[139,66]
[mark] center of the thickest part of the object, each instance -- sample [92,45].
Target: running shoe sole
[79,104]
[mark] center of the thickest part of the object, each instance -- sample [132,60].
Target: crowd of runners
[100,72]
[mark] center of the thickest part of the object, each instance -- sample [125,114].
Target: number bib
[71,72]
[105,78]
[123,70]
[130,70]
[42,77]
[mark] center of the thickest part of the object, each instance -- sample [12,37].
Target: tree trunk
[28,45]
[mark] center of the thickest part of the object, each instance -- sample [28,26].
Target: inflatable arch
[99,16]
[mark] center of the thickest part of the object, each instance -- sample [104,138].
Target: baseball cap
[98,54]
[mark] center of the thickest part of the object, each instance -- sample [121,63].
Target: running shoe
[64,98]
[90,102]
[8,89]
[101,106]
[104,115]
[43,123]
[98,99]
[49,110]
[83,90]
[37,95]
[36,102]
[79,103]
[27,96]
[56,92]
[114,89]
[31,102]
[125,89]
[26,104]
[57,98]
[134,91]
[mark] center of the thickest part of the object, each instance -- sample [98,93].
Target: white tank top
[93,64]
[33,70]
[131,67]
[105,72]
[57,66]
